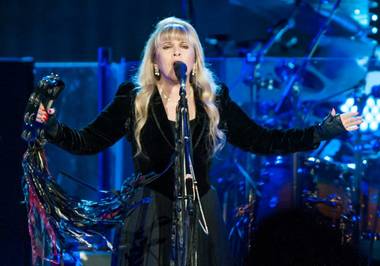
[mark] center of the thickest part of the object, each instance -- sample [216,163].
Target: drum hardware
[332,188]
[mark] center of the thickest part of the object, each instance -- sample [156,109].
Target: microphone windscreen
[180,70]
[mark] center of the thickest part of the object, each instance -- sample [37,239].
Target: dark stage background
[73,30]
[39,37]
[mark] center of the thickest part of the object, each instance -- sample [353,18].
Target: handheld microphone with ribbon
[47,91]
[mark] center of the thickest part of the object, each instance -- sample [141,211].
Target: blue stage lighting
[371,101]
[350,101]
[364,126]
[374,125]
[344,108]
[354,108]
[370,113]
[368,118]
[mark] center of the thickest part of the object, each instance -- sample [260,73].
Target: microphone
[180,70]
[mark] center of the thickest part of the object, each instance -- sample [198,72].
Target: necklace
[167,98]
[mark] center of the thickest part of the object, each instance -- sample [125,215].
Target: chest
[171,109]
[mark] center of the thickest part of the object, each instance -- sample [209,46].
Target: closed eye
[185,45]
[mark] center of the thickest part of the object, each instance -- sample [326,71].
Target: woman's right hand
[43,115]
[49,121]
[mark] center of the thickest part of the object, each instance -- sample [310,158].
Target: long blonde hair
[146,81]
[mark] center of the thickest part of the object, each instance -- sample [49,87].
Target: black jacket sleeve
[107,128]
[243,132]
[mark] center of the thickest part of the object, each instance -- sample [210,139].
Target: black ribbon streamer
[60,223]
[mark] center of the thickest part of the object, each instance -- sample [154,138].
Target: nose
[176,52]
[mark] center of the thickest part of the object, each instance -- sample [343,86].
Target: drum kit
[338,183]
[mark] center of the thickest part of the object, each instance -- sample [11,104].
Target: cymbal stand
[252,192]
[313,46]
[289,89]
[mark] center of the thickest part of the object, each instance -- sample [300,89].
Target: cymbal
[339,63]
[308,15]
[309,20]
[309,80]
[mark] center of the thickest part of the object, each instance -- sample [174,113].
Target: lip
[177,61]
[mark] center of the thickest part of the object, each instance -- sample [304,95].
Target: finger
[333,112]
[41,107]
[39,120]
[351,125]
[40,111]
[41,114]
[357,121]
[42,117]
[352,128]
[348,115]
[350,120]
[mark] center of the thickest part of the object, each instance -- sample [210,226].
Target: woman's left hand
[350,120]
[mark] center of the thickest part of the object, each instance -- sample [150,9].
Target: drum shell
[279,188]
[331,190]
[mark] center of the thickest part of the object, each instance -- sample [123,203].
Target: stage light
[357,11]
[328,158]
[364,126]
[371,102]
[368,117]
[365,110]
[362,61]
[373,4]
[377,117]
[350,102]
[373,16]
[370,112]
[344,108]
[374,126]
[354,108]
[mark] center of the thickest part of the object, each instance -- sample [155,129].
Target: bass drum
[329,191]
[277,186]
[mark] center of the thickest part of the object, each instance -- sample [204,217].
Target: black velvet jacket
[157,138]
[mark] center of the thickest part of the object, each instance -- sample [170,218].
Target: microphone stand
[187,200]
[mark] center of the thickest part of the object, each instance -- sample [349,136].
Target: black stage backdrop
[73,30]
[16,83]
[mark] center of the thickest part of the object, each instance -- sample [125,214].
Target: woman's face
[170,50]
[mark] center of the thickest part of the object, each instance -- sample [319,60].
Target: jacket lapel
[160,118]
[163,124]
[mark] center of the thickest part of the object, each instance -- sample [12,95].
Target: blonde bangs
[174,32]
